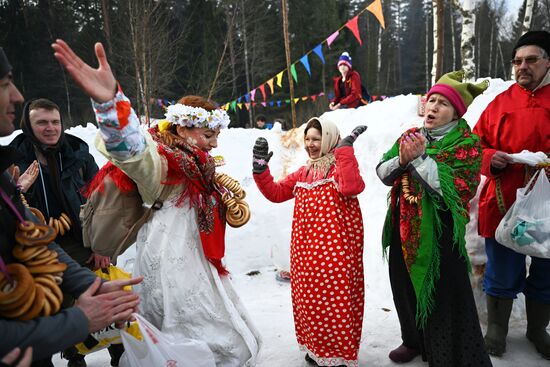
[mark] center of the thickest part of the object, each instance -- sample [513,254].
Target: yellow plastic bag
[110,335]
[113,272]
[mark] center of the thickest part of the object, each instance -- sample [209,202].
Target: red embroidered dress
[326,257]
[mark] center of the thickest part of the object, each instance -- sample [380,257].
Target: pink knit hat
[345,59]
[452,95]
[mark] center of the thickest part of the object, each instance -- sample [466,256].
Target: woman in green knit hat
[434,172]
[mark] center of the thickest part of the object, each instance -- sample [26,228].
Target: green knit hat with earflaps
[459,94]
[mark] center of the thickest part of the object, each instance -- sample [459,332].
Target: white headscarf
[330,135]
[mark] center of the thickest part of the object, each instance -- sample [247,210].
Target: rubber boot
[498,314]
[538,316]
[403,354]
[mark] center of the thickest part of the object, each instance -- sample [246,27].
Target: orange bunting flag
[376,9]
[354,28]
[247,105]
[262,89]
[304,98]
[280,79]
[270,83]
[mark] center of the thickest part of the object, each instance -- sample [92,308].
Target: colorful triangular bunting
[354,28]
[304,60]
[293,72]
[376,9]
[319,52]
[332,37]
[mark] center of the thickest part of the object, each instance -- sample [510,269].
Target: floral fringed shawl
[458,158]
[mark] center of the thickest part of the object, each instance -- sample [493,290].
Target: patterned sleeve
[119,127]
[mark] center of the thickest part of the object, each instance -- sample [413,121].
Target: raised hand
[350,139]
[260,155]
[412,146]
[99,84]
[26,180]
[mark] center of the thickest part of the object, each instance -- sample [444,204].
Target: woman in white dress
[186,291]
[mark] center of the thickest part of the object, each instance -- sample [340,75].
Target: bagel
[38,214]
[20,302]
[54,302]
[58,278]
[48,269]
[22,280]
[23,253]
[239,217]
[46,234]
[47,281]
[67,219]
[44,254]
[64,222]
[12,314]
[46,308]
[37,306]
[46,260]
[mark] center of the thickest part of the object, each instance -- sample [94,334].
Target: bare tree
[467,43]
[438,31]
[148,46]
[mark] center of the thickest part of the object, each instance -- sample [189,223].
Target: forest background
[164,49]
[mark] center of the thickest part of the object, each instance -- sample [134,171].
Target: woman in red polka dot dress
[326,254]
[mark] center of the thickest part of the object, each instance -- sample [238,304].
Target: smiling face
[46,125]
[202,137]
[313,143]
[529,75]
[439,111]
[9,97]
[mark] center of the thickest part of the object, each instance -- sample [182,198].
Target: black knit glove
[260,155]
[350,139]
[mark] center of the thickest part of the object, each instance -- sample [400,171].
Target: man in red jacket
[518,119]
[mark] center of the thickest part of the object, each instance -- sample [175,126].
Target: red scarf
[194,169]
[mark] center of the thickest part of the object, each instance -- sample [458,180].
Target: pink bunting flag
[252,94]
[264,104]
[354,28]
[332,37]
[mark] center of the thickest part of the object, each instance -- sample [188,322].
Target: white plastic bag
[161,350]
[526,226]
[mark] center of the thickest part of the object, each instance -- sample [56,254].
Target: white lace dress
[182,293]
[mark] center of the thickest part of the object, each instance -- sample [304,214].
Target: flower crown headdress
[189,116]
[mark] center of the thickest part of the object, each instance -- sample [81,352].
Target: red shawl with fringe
[194,169]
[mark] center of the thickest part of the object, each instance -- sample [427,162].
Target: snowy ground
[263,243]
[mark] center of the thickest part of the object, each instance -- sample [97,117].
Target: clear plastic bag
[526,226]
[159,349]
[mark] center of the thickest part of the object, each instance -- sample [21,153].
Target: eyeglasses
[529,60]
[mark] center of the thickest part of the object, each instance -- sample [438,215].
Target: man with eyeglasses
[517,119]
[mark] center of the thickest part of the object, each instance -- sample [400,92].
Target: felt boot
[498,314]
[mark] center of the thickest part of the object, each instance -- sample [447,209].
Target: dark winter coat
[47,335]
[77,167]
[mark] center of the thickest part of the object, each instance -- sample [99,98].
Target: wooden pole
[288,63]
